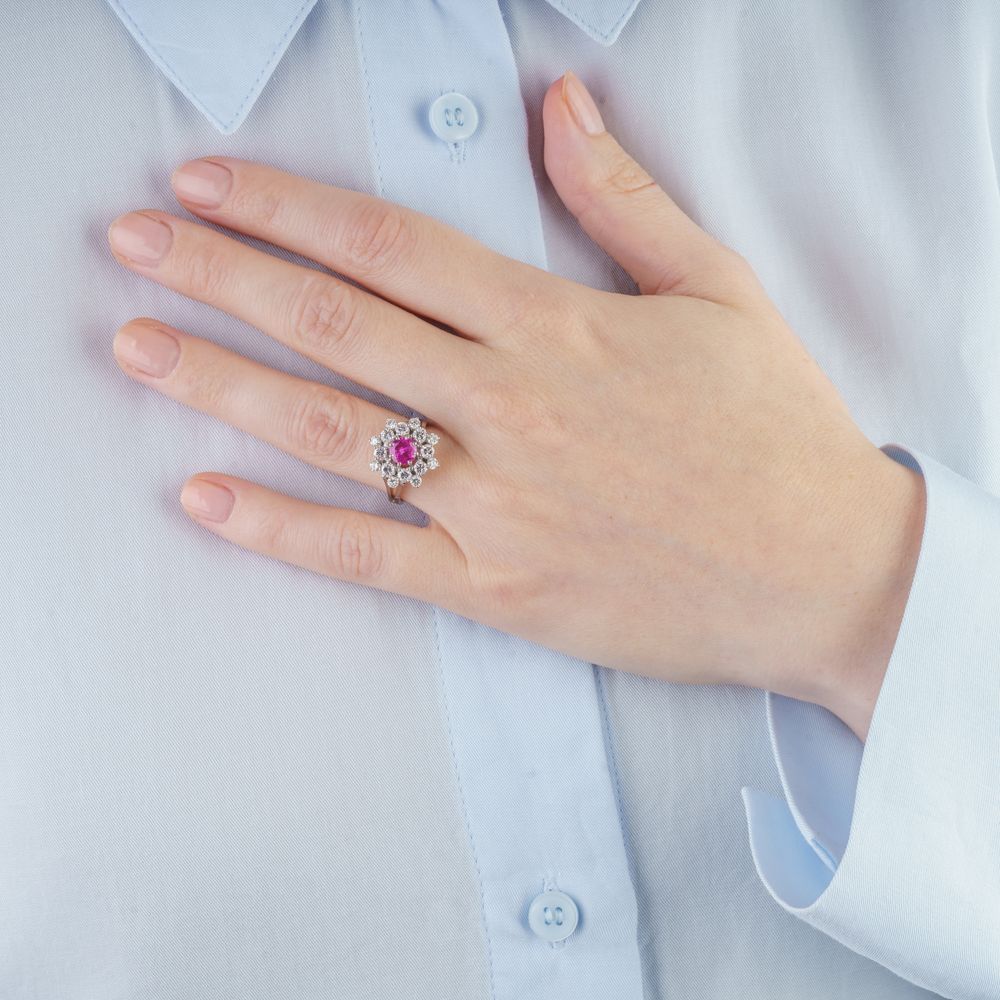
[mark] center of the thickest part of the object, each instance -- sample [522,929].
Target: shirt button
[553,916]
[453,117]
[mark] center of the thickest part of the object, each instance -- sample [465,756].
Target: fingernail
[140,238]
[581,104]
[202,183]
[207,499]
[151,350]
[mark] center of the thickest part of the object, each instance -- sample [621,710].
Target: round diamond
[386,435]
[420,467]
[388,469]
[419,434]
[414,421]
[374,466]
[392,481]
[381,454]
[432,438]
[416,481]
[426,451]
[404,475]
[433,463]
[374,440]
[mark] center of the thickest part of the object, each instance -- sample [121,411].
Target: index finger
[410,258]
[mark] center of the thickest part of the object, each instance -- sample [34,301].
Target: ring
[403,453]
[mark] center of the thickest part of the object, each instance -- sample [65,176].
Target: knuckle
[503,594]
[326,317]
[625,176]
[271,530]
[740,272]
[256,203]
[377,237]
[544,314]
[322,427]
[492,403]
[355,550]
[514,409]
[206,271]
[513,594]
[737,263]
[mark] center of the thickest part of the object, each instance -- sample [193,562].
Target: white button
[453,116]
[553,916]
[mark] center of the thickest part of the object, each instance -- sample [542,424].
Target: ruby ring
[403,453]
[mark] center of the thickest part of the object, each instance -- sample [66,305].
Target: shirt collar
[220,53]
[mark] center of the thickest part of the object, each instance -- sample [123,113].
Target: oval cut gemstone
[404,451]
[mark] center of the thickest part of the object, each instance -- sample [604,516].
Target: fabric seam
[610,751]
[185,89]
[603,35]
[461,796]
[380,191]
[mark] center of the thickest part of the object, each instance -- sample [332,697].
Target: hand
[664,483]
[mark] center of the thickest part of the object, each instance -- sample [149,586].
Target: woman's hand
[664,483]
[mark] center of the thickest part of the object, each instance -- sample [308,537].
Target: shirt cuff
[892,847]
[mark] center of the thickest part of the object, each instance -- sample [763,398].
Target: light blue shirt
[222,776]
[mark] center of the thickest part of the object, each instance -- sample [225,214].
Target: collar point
[601,20]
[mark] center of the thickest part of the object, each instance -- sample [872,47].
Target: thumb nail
[581,104]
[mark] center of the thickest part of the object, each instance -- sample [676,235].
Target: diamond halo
[403,453]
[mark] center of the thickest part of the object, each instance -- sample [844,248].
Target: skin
[664,483]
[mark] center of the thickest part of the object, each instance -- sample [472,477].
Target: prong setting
[403,452]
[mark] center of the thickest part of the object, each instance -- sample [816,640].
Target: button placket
[498,690]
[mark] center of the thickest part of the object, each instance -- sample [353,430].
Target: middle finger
[369,340]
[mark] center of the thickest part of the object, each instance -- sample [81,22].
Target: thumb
[624,210]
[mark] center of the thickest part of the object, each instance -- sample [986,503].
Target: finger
[316,423]
[624,210]
[417,261]
[425,563]
[342,327]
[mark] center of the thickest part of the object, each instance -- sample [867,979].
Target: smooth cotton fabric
[223,776]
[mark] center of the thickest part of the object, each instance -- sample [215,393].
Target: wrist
[889,529]
[863,582]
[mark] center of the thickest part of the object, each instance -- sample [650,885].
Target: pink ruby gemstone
[404,451]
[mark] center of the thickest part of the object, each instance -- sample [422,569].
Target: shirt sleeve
[892,846]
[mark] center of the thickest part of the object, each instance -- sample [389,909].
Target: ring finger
[316,423]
